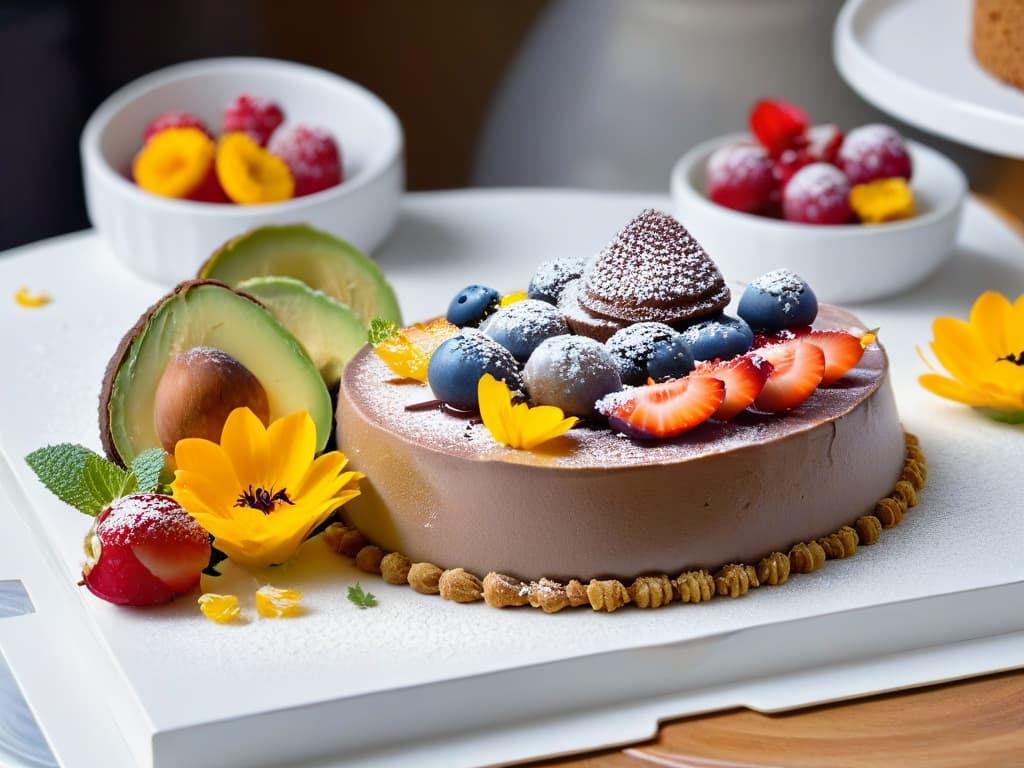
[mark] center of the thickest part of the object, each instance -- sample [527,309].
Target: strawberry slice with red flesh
[779,125]
[659,411]
[797,369]
[744,378]
[842,349]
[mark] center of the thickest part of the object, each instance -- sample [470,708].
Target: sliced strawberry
[797,368]
[744,378]
[666,410]
[786,334]
[779,125]
[842,349]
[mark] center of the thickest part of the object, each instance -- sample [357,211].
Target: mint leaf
[381,330]
[104,481]
[363,599]
[62,469]
[147,467]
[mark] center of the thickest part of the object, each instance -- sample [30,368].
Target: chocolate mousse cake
[772,469]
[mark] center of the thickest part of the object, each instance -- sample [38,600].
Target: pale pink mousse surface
[596,504]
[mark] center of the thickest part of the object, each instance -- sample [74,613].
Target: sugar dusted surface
[737,162]
[867,143]
[148,517]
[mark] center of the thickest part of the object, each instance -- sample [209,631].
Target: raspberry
[312,156]
[740,177]
[874,152]
[788,163]
[173,120]
[824,141]
[254,115]
[817,194]
[778,125]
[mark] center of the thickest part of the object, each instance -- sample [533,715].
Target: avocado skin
[125,345]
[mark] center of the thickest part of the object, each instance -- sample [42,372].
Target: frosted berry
[572,373]
[312,156]
[719,337]
[817,194]
[551,277]
[778,125]
[778,300]
[144,550]
[670,359]
[256,116]
[523,325]
[631,347]
[823,142]
[874,152]
[173,120]
[740,176]
[457,364]
[471,305]
[788,163]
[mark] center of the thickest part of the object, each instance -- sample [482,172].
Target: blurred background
[603,94]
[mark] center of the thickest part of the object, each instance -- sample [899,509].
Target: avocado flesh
[320,260]
[329,330]
[206,314]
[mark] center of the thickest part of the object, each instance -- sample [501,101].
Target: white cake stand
[912,59]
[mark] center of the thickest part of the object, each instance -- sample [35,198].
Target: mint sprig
[381,330]
[89,482]
[363,599]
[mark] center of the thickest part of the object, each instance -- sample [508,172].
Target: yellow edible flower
[23,298]
[518,426]
[250,174]
[222,609]
[882,200]
[174,162]
[260,492]
[984,357]
[274,603]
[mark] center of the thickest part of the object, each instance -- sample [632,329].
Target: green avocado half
[204,314]
[329,330]
[320,260]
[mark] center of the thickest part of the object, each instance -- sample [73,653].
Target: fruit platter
[405,677]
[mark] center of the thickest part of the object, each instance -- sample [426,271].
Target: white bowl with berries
[861,215]
[183,159]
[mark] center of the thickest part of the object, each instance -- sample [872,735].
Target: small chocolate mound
[653,271]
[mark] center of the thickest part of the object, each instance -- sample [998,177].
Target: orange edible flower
[882,200]
[23,298]
[174,162]
[251,175]
[407,351]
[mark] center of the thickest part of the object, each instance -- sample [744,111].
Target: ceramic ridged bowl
[166,239]
[845,263]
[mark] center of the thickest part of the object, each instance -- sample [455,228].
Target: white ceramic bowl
[166,239]
[842,263]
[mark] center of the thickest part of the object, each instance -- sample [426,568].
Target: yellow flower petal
[950,389]
[194,454]
[519,425]
[990,322]
[957,348]
[244,439]
[274,603]
[222,609]
[545,422]
[495,407]
[298,432]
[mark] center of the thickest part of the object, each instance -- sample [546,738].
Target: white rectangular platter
[427,682]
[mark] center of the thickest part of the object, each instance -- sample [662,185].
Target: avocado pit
[198,389]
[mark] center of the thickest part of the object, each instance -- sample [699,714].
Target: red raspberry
[312,156]
[789,162]
[740,177]
[173,120]
[874,152]
[209,189]
[255,115]
[817,194]
[778,125]
[824,141]
[147,550]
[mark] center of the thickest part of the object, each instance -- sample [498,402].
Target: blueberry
[571,372]
[719,337]
[670,359]
[458,363]
[550,278]
[522,325]
[777,300]
[631,347]
[471,305]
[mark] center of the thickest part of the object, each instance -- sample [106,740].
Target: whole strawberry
[312,156]
[254,115]
[144,550]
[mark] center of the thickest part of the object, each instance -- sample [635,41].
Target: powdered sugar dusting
[148,517]
[818,181]
[868,140]
[736,163]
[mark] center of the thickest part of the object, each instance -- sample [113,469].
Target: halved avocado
[329,330]
[204,314]
[320,260]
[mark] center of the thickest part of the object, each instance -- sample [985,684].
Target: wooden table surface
[976,722]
